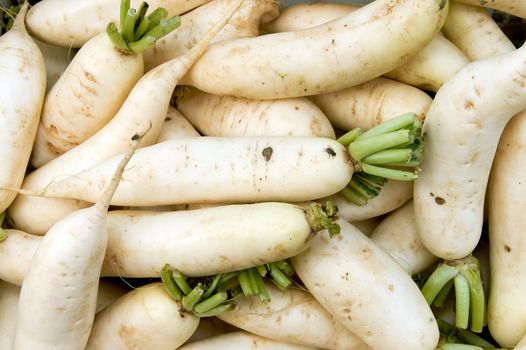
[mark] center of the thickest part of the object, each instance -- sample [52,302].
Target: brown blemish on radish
[267,153]
[507,248]
[440,201]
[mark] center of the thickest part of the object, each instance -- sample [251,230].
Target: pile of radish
[254,174]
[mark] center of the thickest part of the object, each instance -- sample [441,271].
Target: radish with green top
[178,170]
[72,23]
[294,316]
[371,103]
[339,53]
[470,111]
[242,341]
[22,89]
[145,318]
[361,285]
[234,116]
[145,106]
[277,231]
[58,297]
[195,24]
[97,82]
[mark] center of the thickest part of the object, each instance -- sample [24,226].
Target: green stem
[461,301]
[471,271]
[262,270]
[116,38]
[281,280]
[155,17]
[284,266]
[218,310]
[128,26]
[211,302]
[263,294]
[438,279]
[388,173]
[193,297]
[244,282]
[353,197]
[459,347]
[252,276]
[141,14]
[169,284]
[473,339]
[362,148]
[164,27]
[125,6]
[442,296]
[349,137]
[213,286]
[397,123]
[389,156]
[323,218]
[181,282]
[361,190]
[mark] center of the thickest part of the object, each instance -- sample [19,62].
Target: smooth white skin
[194,24]
[361,285]
[371,103]
[393,195]
[85,98]
[58,297]
[201,242]
[398,235]
[302,16]
[433,66]
[462,130]
[428,69]
[241,341]
[145,318]
[216,115]
[514,7]
[219,170]
[9,294]
[176,126]
[22,89]
[144,109]
[56,59]
[474,32]
[69,23]
[334,55]
[292,316]
[507,200]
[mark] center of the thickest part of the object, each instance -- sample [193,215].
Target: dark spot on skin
[168,119]
[267,153]
[468,105]
[330,151]
[431,194]
[440,201]
[442,4]
[135,137]
[507,248]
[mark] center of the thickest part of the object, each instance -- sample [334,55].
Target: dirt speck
[440,201]
[330,152]
[507,248]
[267,153]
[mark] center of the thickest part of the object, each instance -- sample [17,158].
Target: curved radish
[9,294]
[514,7]
[339,53]
[219,235]
[72,23]
[473,31]
[506,200]
[233,116]
[279,320]
[470,111]
[145,106]
[246,169]
[62,282]
[366,290]
[176,126]
[241,341]
[397,234]
[145,318]
[22,89]
[194,25]
[371,103]
[393,195]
